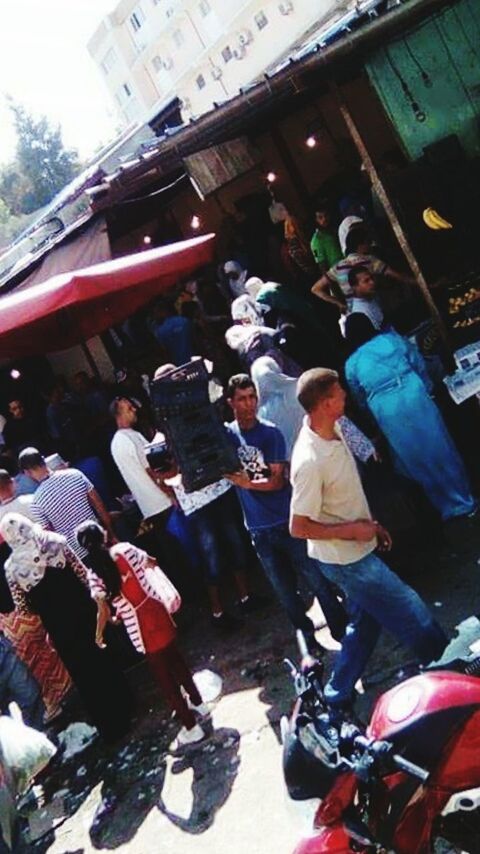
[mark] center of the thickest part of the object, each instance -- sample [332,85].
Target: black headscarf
[358,330]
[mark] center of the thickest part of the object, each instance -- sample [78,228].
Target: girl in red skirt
[120,574]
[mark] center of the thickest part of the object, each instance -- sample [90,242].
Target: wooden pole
[382,194]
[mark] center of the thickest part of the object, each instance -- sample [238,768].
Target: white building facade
[202,51]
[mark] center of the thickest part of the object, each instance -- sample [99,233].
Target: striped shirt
[125,611]
[61,503]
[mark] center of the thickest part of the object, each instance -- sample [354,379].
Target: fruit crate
[463,309]
[182,387]
[194,432]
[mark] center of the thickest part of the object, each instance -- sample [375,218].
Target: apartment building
[203,51]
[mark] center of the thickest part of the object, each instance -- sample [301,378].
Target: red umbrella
[72,307]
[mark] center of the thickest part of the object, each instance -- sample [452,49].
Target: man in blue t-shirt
[173,333]
[264,493]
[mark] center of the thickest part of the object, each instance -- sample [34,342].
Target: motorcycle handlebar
[410,768]
[385,747]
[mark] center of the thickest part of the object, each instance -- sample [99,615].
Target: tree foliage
[42,165]
[42,159]
[15,187]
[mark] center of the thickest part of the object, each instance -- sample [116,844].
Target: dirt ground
[227,794]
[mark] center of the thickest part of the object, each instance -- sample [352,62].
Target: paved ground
[227,795]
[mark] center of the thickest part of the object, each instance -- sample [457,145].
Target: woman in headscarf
[236,277]
[387,375]
[251,338]
[45,577]
[248,336]
[277,398]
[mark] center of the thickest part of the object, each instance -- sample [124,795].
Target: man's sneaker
[188,736]
[225,624]
[253,602]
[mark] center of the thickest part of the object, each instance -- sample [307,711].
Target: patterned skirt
[26,633]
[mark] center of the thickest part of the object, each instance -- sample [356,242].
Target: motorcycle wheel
[458,833]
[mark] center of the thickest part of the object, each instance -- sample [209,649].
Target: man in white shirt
[330,511]
[128,450]
[154,498]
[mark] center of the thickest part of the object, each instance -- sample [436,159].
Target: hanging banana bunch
[433,220]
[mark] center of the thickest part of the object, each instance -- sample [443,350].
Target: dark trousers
[284,559]
[172,673]
[219,533]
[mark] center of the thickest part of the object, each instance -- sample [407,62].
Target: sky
[45,65]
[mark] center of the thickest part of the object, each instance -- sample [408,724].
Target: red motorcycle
[408,783]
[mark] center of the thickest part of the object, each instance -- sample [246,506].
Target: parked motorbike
[408,782]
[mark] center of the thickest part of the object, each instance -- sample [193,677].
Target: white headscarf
[33,549]
[277,398]
[344,228]
[236,284]
[245,310]
[253,285]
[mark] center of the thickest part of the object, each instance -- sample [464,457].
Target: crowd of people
[290,359]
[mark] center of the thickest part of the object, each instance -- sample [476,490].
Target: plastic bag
[25,750]
[163,587]
[75,738]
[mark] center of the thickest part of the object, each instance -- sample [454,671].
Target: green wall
[447,50]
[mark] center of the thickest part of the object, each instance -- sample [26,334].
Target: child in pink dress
[120,574]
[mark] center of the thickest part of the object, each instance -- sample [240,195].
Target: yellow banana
[427,218]
[433,220]
[441,222]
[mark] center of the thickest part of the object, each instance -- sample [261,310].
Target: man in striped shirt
[64,499]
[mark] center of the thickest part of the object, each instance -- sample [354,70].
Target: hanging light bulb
[271,177]
[195,222]
[15,374]
[311,141]
[147,240]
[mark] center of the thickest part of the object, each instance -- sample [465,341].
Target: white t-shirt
[128,451]
[327,488]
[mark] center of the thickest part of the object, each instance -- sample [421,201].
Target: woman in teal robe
[387,375]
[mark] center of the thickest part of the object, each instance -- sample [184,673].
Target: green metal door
[429,80]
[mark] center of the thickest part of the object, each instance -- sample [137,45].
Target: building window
[205,8]
[201,82]
[157,63]
[227,54]
[261,20]
[108,61]
[123,94]
[136,19]
[178,38]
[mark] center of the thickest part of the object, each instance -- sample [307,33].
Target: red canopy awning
[72,307]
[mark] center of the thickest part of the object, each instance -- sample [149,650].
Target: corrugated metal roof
[318,49]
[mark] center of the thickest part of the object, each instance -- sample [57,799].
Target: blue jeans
[283,559]
[376,599]
[218,529]
[18,684]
